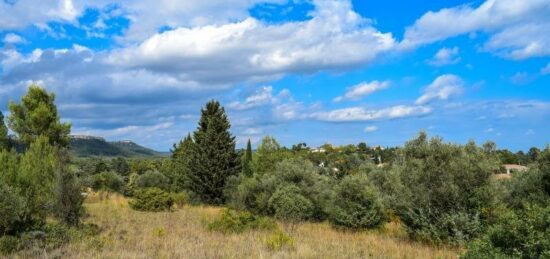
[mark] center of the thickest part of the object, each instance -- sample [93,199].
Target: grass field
[126,233]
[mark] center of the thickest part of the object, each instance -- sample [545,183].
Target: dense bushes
[11,209]
[153,179]
[447,195]
[289,204]
[151,199]
[522,234]
[107,181]
[232,221]
[356,205]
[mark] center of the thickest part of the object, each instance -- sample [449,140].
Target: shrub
[9,244]
[279,240]
[232,221]
[152,179]
[523,234]
[68,197]
[180,199]
[107,181]
[151,199]
[288,204]
[11,209]
[447,196]
[356,205]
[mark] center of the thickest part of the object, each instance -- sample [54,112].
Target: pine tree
[36,116]
[4,141]
[247,160]
[213,158]
[181,154]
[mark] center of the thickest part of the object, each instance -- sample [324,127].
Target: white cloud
[517,29]
[363,89]
[22,13]
[12,38]
[445,56]
[261,97]
[521,78]
[370,129]
[545,70]
[363,114]
[250,50]
[442,88]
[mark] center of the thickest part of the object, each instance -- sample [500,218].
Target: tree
[36,116]
[247,160]
[268,154]
[4,140]
[68,197]
[120,166]
[181,155]
[213,158]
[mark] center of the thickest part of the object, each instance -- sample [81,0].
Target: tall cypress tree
[4,141]
[247,160]
[213,159]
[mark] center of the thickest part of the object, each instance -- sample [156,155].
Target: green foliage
[153,179]
[247,160]
[522,234]
[131,186]
[356,205]
[8,245]
[68,196]
[107,181]
[179,164]
[288,204]
[232,221]
[4,141]
[120,166]
[36,116]
[35,180]
[213,158]
[151,199]
[268,154]
[447,194]
[11,209]
[180,199]
[278,241]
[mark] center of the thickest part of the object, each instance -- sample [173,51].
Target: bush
[288,204]
[11,209]
[151,199]
[107,181]
[153,179]
[68,197]
[180,199]
[524,234]
[356,205]
[279,240]
[447,195]
[237,222]
[9,244]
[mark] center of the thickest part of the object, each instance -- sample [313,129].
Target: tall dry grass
[126,233]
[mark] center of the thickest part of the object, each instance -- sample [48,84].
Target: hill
[85,146]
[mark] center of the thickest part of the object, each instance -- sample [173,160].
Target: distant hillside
[85,146]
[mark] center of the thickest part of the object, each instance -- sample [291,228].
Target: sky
[313,71]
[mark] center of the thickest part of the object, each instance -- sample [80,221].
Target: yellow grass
[126,233]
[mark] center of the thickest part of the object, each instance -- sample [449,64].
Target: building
[511,167]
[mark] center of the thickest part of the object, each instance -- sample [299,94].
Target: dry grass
[181,234]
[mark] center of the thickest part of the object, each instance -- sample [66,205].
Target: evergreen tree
[36,116]
[213,158]
[247,160]
[4,141]
[181,154]
[68,198]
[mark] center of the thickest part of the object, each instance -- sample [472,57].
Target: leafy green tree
[120,166]
[11,209]
[36,116]
[36,179]
[268,154]
[153,179]
[447,195]
[289,204]
[213,158]
[4,141]
[247,160]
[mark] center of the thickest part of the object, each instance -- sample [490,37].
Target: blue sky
[320,71]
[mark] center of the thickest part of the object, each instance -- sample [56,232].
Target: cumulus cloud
[262,96]
[363,114]
[249,50]
[517,29]
[445,56]
[22,13]
[363,89]
[442,88]
[12,39]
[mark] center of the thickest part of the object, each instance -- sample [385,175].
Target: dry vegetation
[126,233]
